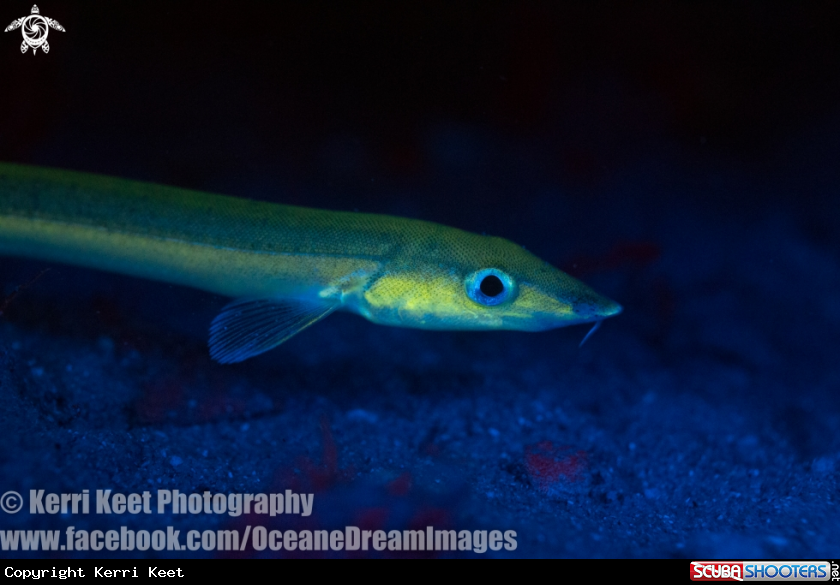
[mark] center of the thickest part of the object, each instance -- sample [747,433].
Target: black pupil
[492,286]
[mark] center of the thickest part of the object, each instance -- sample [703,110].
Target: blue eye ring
[490,287]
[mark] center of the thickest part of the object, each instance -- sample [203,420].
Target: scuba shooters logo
[791,571]
[35,29]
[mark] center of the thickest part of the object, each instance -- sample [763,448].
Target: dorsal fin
[249,327]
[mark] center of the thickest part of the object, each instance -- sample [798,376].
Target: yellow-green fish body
[289,266]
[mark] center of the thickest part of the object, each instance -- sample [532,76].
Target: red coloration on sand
[552,468]
[372,518]
[400,486]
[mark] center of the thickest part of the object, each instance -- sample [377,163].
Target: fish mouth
[605,308]
[580,315]
[596,310]
[610,310]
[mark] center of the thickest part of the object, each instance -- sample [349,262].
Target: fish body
[287,266]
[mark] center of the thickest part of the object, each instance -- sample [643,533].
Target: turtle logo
[35,28]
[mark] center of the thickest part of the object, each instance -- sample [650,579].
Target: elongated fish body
[287,266]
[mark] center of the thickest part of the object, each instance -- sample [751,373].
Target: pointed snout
[596,308]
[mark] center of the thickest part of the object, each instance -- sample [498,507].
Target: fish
[287,267]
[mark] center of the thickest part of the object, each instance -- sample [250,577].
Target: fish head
[459,280]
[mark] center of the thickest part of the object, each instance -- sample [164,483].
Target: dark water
[681,161]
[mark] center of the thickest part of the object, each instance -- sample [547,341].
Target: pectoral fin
[249,327]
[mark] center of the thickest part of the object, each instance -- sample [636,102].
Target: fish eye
[489,287]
